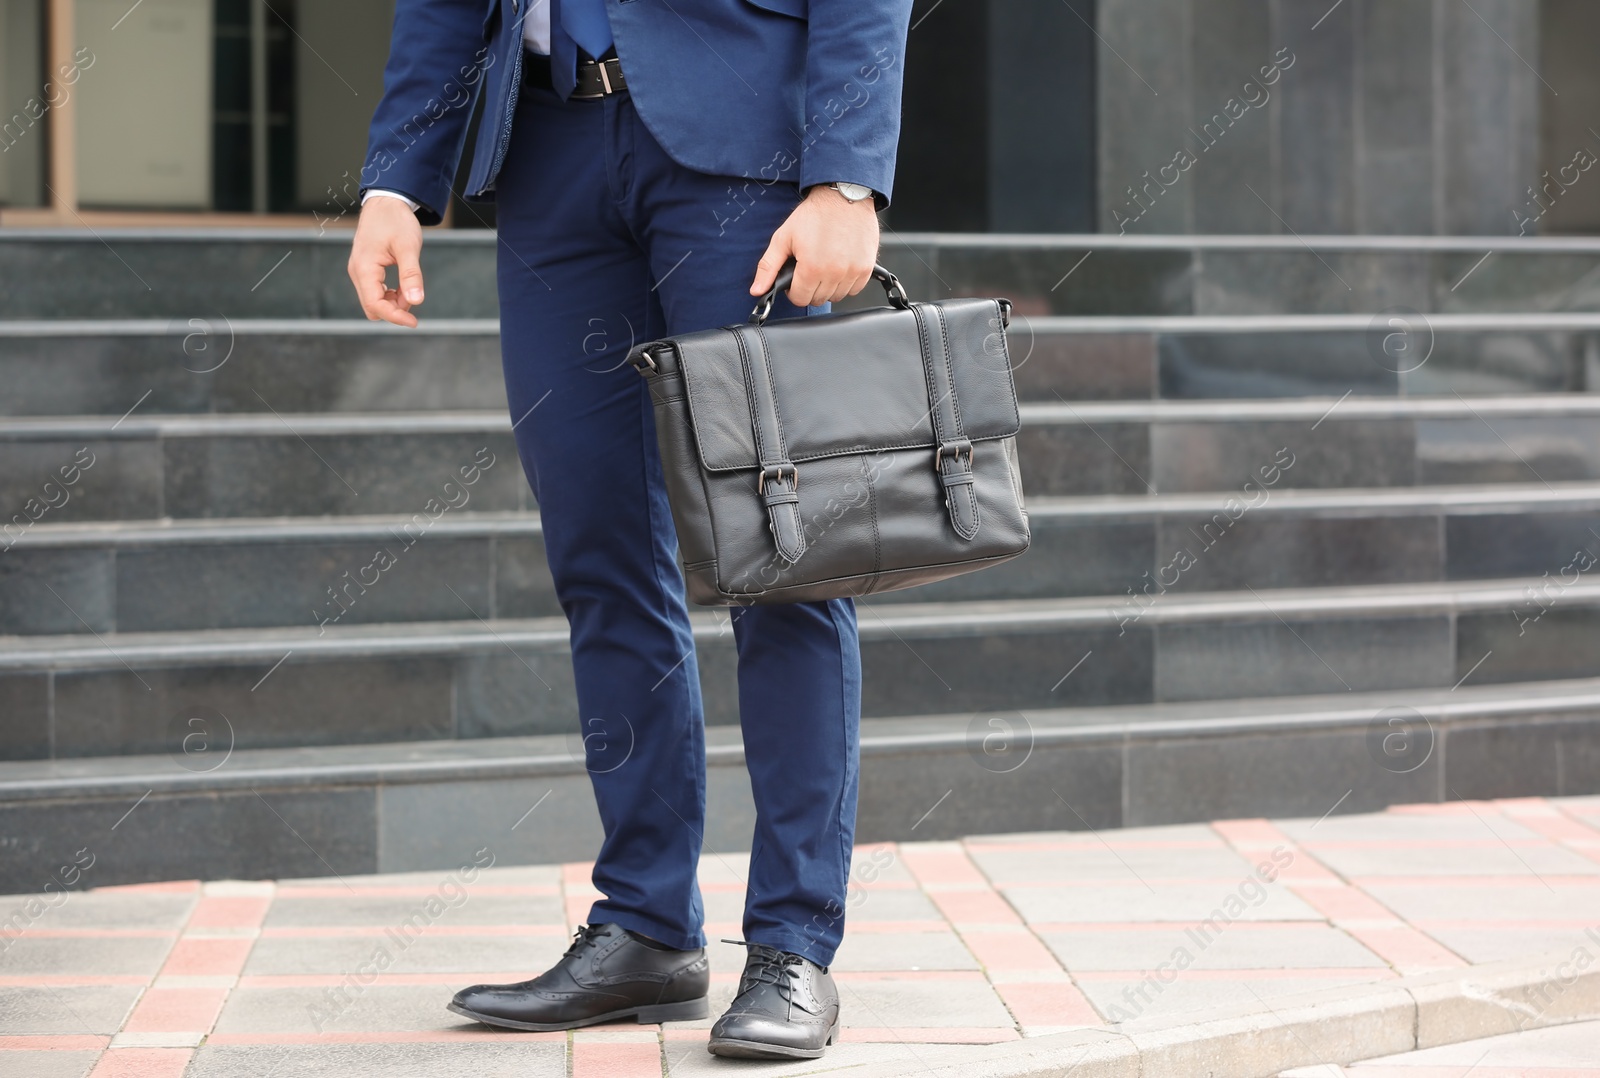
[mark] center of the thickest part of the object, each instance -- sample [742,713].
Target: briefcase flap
[849,383]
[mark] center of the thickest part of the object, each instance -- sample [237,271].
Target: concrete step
[113,693]
[314,464]
[199,365]
[271,273]
[186,366]
[405,805]
[142,576]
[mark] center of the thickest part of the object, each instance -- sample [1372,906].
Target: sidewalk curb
[1340,1025]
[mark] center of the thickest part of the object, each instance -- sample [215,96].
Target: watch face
[855,192]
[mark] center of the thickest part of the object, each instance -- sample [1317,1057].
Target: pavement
[1237,947]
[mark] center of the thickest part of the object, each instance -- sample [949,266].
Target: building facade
[1138,116]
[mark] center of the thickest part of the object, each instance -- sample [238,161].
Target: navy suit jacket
[803,91]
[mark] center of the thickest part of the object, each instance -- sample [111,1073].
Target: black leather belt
[596,78]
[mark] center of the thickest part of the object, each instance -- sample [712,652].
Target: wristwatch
[852,192]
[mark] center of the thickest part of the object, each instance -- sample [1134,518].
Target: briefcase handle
[891,288]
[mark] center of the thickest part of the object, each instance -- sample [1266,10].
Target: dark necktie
[574,25]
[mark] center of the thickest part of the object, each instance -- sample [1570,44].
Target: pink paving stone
[941,866]
[1052,1004]
[1344,901]
[577,873]
[975,907]
[603,1060]
[192,957]
[229,911]
[176,1010]
[1010,950]
[167,887]
[142,1063]
[1406,948]
[1251,832]
[1305,868]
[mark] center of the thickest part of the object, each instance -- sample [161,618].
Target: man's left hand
[834,243]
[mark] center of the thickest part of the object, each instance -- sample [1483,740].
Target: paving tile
[1127,1000]
[48,1064]
[393,911]
[176,1010]
[85,1010]
[611,1060]
[142,1063]
[1236,946]
[404,953]
[1116,863]
[337,1008]
[1485,857]
[1458,821]
[507,1057]
[109,908]
[908,1004]
[201,957]
[975,907]
[1499,944]
[1009,951]
[1120,902]
[1035,1004]
[1461,900]
[65,956]
[904,951]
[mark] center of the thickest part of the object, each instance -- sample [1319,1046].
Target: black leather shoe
[606,975]
[787,1008]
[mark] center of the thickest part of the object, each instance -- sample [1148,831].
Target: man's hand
[387,235]
[834,243]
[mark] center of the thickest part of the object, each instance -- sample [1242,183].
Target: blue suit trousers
[604,240]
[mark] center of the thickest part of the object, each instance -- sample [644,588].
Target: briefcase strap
[778,485]
[952,457]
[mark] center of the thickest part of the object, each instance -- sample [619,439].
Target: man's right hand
[387,234]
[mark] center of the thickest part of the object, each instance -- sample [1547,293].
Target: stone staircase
[1314,529]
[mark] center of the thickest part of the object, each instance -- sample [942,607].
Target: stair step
[311,464]
[102,367]
[131,692]
[122,273]
[107,577]
[412,805]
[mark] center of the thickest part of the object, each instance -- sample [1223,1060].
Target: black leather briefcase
[839,455]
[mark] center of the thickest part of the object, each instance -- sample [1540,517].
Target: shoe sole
[736,1049]
[687,1011]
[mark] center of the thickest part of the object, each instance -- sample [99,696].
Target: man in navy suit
[654,164]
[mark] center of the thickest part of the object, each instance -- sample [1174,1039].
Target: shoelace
[582,938]
[768,965]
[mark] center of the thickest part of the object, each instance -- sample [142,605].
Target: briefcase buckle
[955,449]
[777,473]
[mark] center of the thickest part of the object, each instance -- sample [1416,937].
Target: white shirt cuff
[381,192]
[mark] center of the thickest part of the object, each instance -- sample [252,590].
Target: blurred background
[1308,332]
